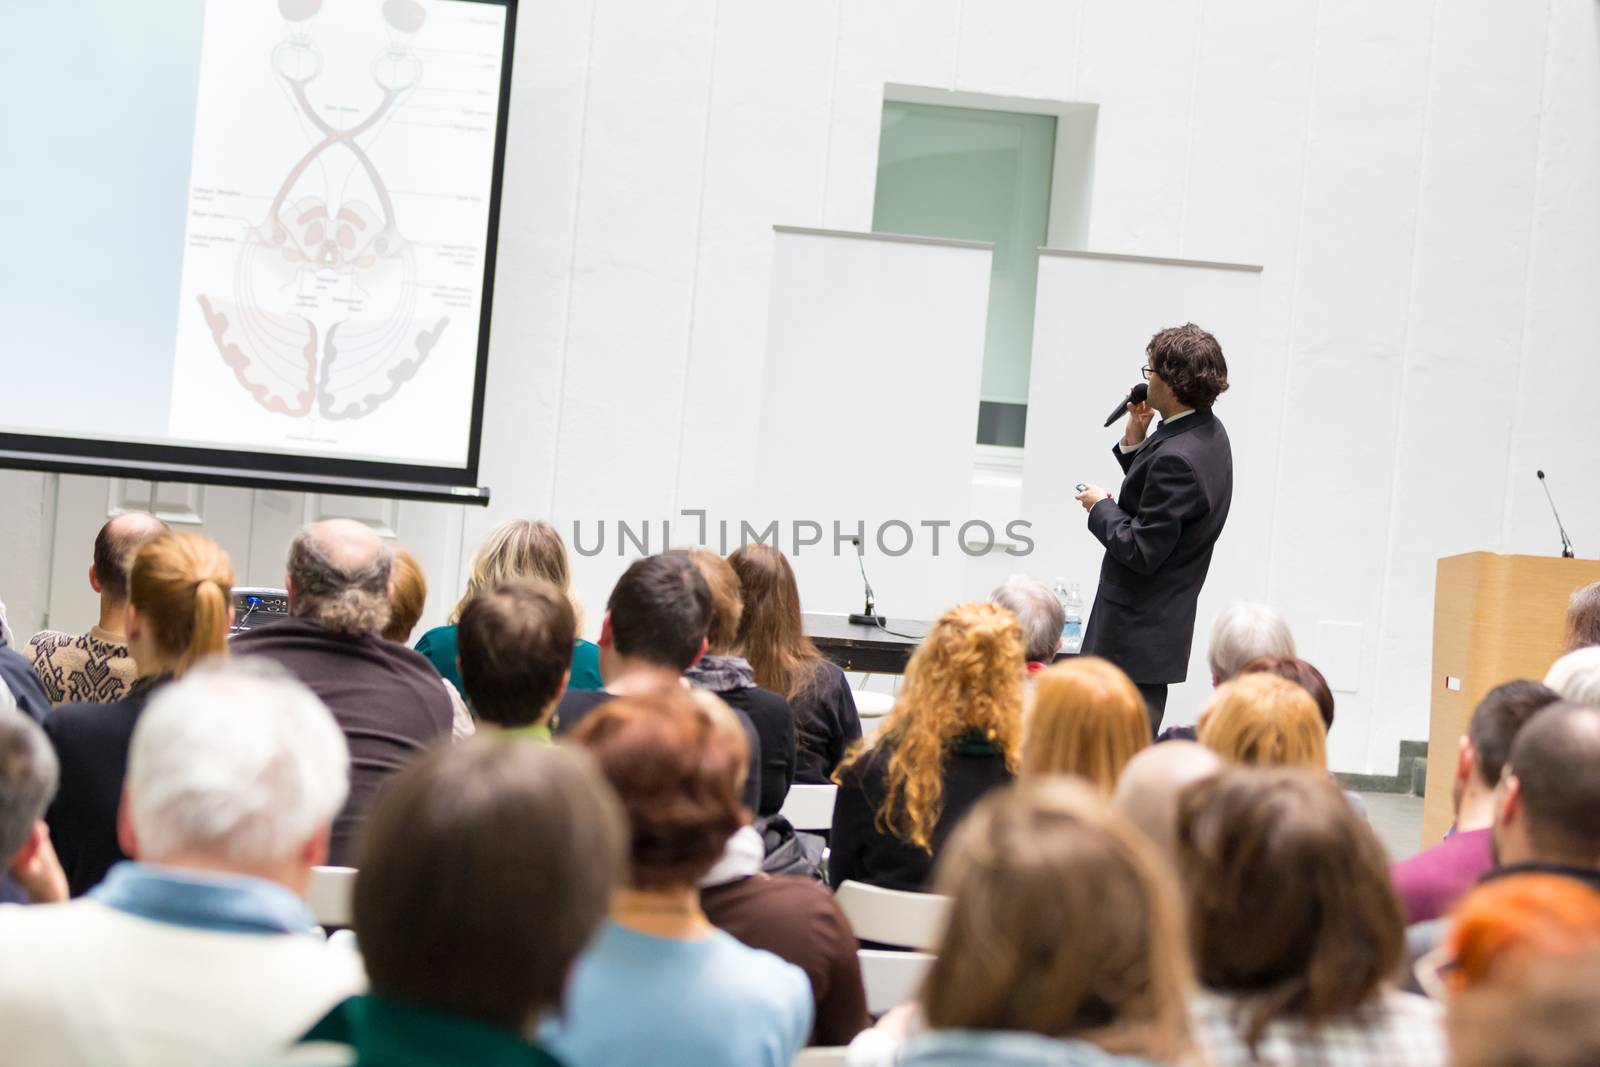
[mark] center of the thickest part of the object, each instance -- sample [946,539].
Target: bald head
[1148,789]
[339,576]
[114,548]
[1549,802]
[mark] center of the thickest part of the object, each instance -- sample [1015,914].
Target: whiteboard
[1096,313]
[870,411]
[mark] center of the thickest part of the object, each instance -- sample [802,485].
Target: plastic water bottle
[1072,616]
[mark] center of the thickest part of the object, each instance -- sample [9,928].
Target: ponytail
[209,634]
[181,583]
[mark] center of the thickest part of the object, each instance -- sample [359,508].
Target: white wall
[1417,178]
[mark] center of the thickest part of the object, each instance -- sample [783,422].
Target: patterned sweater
[91,668]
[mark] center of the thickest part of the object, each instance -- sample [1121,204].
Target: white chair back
[873,705]
[893,916]
[892,978]
[331,892]
[829,1056]
[810,807]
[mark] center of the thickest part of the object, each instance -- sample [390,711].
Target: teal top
[387,1033]
[439,646]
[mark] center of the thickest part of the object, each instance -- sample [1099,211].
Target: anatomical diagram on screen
[338,215]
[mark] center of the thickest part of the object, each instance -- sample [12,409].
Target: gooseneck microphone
[1566,542]
[1137,395]
[869,615]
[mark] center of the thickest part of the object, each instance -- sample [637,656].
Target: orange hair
[1265,721]
[181,584]
[1087,719]
[1505,924]
[409,595]
[965,678]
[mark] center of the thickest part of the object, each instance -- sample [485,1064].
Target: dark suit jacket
[1159,532]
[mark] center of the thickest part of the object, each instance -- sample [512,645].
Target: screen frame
[277,470]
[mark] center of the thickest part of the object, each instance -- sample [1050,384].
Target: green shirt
[387,1033]
[439,646]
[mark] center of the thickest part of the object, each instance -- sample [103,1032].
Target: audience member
[772,639]
[1576,676]
[514,643]
[1040,615]
[1086,719]
[1549,1017]
[1301,673]
[1264,721]
[178,613]
[1037,966]
[465,951]
[202,952]
[1430,882]
[22,685]
[655,629]
[29,870]
[731,677]
[794,918]
[1545,818]
[7,638]
[1506,924]
[385,697]
[1149,787]
[1583,618]
[520,548]
[953,735]
[1243,632]
[661,984]
[408,595]
[96,667]
[1296,930]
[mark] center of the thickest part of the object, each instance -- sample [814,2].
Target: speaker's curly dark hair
[1190,361]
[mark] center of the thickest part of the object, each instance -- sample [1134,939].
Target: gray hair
[1243,632]
[345,599]
[1576,676]
[1037,610]
[28,776]
[236,760]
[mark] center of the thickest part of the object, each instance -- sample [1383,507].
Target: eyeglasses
[1145,370]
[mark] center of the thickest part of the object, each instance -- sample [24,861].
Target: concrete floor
[1398,820]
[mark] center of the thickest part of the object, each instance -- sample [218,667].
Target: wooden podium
[1495,618]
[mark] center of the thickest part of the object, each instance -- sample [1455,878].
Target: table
[865,649]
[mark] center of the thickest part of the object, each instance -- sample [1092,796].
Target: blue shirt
[204,900]
[438,645]
[706,1002]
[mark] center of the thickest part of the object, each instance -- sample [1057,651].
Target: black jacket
[1159,532]
[91,743]
[826,724]
[576,704]
[863,853]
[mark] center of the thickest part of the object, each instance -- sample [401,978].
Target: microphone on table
[869,616]
[1566,542]
[1137,395]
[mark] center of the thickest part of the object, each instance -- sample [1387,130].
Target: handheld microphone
[1566,542]
[869,616]
[1137,395]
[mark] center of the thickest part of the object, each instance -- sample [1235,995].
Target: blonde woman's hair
[965,678]
[1087,719]
[1265,721]
[181,584]
[519,548]
[1065,923]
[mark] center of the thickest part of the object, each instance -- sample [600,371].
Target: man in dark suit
[1160,528]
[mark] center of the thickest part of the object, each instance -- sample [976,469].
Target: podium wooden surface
[1495,618]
